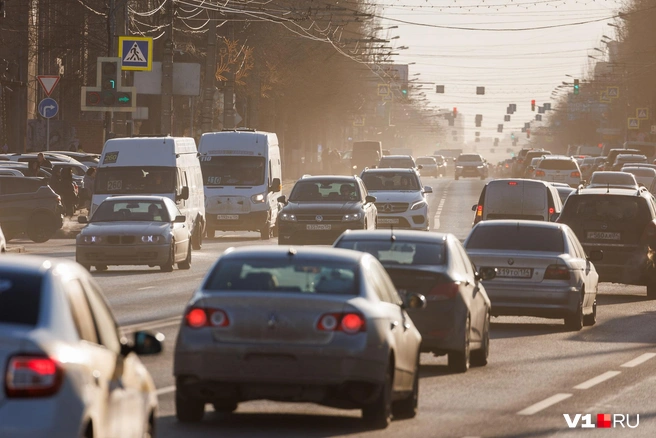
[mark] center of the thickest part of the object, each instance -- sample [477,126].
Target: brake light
[512,183]
[556,272]
[539,173]
[198,317]
[552,210]
[350,323]
[575,174]
[32,376]
[443,291]
[479,211]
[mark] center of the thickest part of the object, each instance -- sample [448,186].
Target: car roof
[519,180]
[631,155]
[304,252]
[643,169]
[389,157]
[135,198]
[558,157]
[407,235]
[519,223]
[609,191]
[390,170]
[325,177]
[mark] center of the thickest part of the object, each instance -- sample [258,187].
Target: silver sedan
[317,325]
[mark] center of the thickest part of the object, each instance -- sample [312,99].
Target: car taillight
[443,291]
[198,317]
[350,323]
[479,211]
[32,376]
[539,173]
[552,210]
[575,174]
[556,272]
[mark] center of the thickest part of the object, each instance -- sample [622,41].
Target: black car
[320,208]
[622,223]
[470,165]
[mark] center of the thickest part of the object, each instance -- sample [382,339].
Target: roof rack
[147,135]
[239,129]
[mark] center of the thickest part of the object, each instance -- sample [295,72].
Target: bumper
[530,299]
[418,220]
[41,417]
[252,221]
[441,326]
[470,172]
[294,233]
[623,264]
[122,254]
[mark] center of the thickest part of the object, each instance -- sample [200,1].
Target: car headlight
[91,239]
[351,217]
[480,167]
[288,217]
[259,198]
[458,167]
[419,204]
[355,167]
[152,239]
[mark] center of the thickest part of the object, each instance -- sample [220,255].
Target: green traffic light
[124,99]
[404,91]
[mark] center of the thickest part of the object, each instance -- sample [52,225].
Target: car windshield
[516,237]
[139,211]
[137,180]
[469,158]
[547,164]
[284,274]
[397,181]
[401,163]
[640,171]
[425,161]
[232,170]
[605,208]
[614,178]
[399,253]
[324,191]
[20,298]
[631,159]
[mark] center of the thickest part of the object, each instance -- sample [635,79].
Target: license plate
[559,177]
[228,217]
[515,272]
[603,235]
[388,221]
[321,227]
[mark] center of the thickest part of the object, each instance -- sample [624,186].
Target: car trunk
[514,266]
[417,280]
[10,344]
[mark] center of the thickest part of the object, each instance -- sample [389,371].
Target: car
[612,156]
[320,208]
[398,162]
[530,169]
[519,169]
[441,164]
[65,370]
[88,159]
[613,179]
[400,198]
[591,164]
[12,168]
[642,165]
[429,166]
[470,165]
[624,159]
[564,192]
[134,230]
[306,324]
[3,242]
[622,223]
[541,270]
[644,176]
[30,206]
[558,168]
[456,321]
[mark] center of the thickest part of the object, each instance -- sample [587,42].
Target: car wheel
[225,407]
[479,357]
[651,290]
[379,414]
[265,232]
[40,228]
[188,410]
[186,263]
[574,321]
[168,266]
[210,232]
[459,360]
[591,319]
[407,408]
[197,238]
[101,268]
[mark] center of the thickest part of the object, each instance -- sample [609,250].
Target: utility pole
[111,51]
[229,95]
[167,73]
[210,76]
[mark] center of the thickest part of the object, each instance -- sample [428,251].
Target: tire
[40,228]
[574,321]
[591,319]
[459,361]
[265,232]
[197,237]
[168,266]
[209,232]
[225,407]
[378,414]
[186,263]
[188,410]
[407,408]
[101,268]
[479,357]
[651,290]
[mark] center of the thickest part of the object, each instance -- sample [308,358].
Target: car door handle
[394,325]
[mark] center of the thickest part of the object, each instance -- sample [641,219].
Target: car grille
[391,207]
[229,204]
[121,240]
[324,217]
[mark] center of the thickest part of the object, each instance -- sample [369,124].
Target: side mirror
[82,220]
[474,207]
[184,193]
[282,199]
[180,219]
[486,274]
[596,255]
[369,199]
[276,185]
[414,301]
[428,189]
[145,343]
[419,166]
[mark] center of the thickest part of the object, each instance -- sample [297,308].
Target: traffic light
[533,105]
[538,117]
[455,112]
[109,94]
[512,136]
[3,12]
[109,75]
[404,90]
[576,86]
[479,120]
[499,128]
[528,133]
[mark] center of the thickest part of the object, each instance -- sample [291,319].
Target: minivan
[518,199]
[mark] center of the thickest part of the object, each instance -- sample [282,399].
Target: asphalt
[537,370]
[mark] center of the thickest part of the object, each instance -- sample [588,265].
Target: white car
[400,198]
[558,168]
[428,166]
[612,179]
[643,175]
[64,369]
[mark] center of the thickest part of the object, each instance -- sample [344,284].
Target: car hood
[112,228]
[383,196]
[339,207]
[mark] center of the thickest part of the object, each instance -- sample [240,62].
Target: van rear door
[516,199]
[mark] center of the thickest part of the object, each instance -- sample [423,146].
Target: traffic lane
[456,216]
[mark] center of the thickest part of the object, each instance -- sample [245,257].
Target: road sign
[383,89]
[653,129]
[603,96]
[613,92]
[48,83]
[358,121]
[480,90]
[388,97]
[642,113]
[136,53]
[634,123]
[48,108]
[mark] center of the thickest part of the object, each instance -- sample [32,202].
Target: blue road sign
[136,53]
[48,108]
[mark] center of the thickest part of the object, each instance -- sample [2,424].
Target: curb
[16,249]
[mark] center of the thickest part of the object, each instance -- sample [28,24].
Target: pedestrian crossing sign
[642,113]
[634,123]
[136,53]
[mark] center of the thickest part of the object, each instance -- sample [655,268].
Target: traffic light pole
[229,94]
[210,76]
[111,51]
[167,74]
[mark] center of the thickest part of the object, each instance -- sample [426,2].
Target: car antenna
[608,188]
[392,237]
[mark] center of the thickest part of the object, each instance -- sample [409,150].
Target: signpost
[634,123]
[48,83]
[136,53]
[613,92]
[383,89]
[48,108]
[642,113]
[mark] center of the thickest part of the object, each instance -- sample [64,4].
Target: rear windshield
[557,165]
[517,237]
[462,158]
[646,171]
[612,178]
[400,253]
[20,298]
[425,161]
[397,162]
[284,275]
[605,208]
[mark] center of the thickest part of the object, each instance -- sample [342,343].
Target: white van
[242,175]
[161,166]
[518,199]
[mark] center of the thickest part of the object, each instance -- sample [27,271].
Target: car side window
[576,245]
[80,310]
[105,322]
[388,286]
[465,259]
[363,190]
[372,276]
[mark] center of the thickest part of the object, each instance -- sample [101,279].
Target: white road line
[165,390]
[597,380]
[147,287]
[440,206]
[638,360]
[544,404]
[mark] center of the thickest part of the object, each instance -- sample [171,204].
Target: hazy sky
[513,66]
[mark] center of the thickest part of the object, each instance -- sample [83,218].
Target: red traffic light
[455,111]
[533,102]
[93,98]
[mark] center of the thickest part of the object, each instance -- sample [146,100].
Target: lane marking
[597,380]
[544,404]
[440,206]
[149,325]
[638,360]
[147,287]
[165,390]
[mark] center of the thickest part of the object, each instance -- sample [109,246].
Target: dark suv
[470,165]
[321,208]
[621,223]
[29,205]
